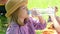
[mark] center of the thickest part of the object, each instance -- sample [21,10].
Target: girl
[20,22]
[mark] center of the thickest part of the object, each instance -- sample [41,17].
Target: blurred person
[20,22]
[56,21]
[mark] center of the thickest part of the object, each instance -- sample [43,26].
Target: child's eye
[22,7]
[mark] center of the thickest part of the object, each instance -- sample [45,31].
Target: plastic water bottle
[40,12]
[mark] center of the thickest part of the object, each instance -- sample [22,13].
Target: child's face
[22,12]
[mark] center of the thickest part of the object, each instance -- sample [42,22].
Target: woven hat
[13,5]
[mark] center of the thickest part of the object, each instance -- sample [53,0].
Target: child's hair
[14,17]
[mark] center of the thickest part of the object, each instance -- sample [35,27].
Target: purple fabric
[37,25]
[29,28]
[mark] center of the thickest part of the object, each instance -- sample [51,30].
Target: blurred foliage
[32,4]
[3,22]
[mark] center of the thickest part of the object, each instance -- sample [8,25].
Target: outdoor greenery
[32,4]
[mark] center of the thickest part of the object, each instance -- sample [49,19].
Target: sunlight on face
[23,12]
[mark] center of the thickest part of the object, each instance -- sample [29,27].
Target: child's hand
[37,12]
[41,19]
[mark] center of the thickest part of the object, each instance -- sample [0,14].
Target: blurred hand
[41,19]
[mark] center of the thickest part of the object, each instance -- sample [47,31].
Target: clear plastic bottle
[45,11]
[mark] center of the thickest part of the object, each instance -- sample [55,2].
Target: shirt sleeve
[37,25]
[12,29]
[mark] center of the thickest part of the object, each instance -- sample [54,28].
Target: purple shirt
[29,28]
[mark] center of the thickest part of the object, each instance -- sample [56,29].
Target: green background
[44,4]
[34,4]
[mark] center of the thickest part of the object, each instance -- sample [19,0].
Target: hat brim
[15,7]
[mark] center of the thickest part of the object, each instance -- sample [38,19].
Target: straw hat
[13,5]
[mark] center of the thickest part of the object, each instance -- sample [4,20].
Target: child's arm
[55,23]
[38,25]
[42,21]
